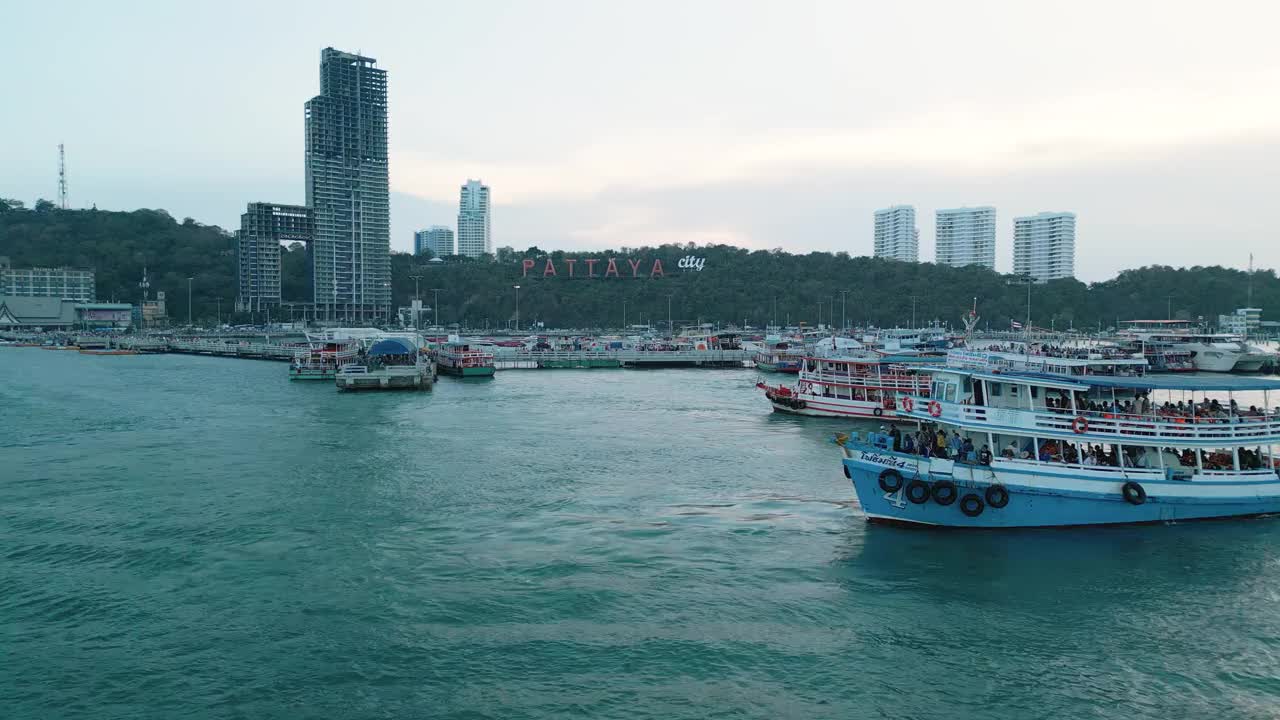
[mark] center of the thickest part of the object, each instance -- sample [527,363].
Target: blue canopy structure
[393,346]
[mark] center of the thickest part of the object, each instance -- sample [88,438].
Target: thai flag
[1015,324]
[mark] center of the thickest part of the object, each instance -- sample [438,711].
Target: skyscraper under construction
[347,188]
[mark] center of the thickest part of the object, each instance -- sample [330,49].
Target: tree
[10,205]
[43,205]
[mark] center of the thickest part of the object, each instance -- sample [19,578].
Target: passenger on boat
[908,443]
[897,437]
[984,455]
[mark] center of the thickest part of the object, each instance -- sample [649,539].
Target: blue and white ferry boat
[1070,437]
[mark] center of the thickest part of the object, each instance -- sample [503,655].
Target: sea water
[199,537]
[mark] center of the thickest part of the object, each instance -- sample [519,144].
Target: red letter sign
[570,262]
[657,269]
[591,264]
[549,270]
[528,263]
[613,267]
[635,266]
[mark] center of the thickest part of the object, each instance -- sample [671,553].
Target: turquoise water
[198,537]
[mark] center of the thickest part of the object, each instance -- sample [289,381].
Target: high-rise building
[1044,246]
[473,220]
[896,235]
[347,187]
[966,236]
[263,227]
[62,283]
[438,239]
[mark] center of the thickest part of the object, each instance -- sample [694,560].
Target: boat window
[951,392]
[1013,390]
[1034,393]
[996,389]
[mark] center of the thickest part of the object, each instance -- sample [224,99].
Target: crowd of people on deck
[1141,406]
[1068,353]
[930,443]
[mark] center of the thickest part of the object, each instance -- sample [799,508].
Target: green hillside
[734,284]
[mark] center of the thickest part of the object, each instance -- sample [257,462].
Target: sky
[619,124]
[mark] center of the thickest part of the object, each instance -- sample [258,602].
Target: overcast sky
[761,124]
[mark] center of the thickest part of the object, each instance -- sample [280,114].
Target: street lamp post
[435,307]
[671,330]
[418,309]
[844,322]
[624,315]
[517,287]
[189,301]
[219,318]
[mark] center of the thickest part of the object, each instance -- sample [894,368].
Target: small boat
[781,356]
[464,360]
[860,387]
[1071,443]
[103,351]
[321,358]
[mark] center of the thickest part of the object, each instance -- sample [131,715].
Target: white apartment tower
[896,235]
[474,239]
[438,239]
[1044,246]
[966,236]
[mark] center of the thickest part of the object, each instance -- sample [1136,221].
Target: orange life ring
[1080,425]
[908,403]
[935,408]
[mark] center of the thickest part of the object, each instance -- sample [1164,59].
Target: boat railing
[1237,429]
[912,384]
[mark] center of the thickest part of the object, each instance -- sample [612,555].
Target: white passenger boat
[1210,352]
[322,357]
[860,387]
[1087,446]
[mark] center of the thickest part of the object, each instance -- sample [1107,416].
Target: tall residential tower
[437,238]
[473,220]
[347,187]
[896,235]
[966,236]
[1044,246]
[263,227]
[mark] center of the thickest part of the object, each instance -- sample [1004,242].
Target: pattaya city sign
[605,267]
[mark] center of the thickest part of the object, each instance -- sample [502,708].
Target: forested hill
[733,285]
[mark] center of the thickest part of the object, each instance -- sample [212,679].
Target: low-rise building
[29,313]
[1244,321]
[61,283]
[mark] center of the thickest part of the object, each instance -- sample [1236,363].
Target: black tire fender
[997,496]
[1134,494]
[972,505]
[918,491]
[890,481]
[944,492]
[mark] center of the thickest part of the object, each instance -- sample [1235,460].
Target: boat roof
[1188,382]
[1232,383]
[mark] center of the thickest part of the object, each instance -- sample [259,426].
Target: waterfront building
[966,236]
[347,187]
[1044,246]
[60,283]
[474,239]
[1244,321]
[51,313]
[263,227]
[896,235]
[437,239]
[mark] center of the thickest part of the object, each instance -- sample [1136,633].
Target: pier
[581,359]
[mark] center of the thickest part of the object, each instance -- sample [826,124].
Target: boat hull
[466,371]
[811,407]
[792,368]
[1045,499]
